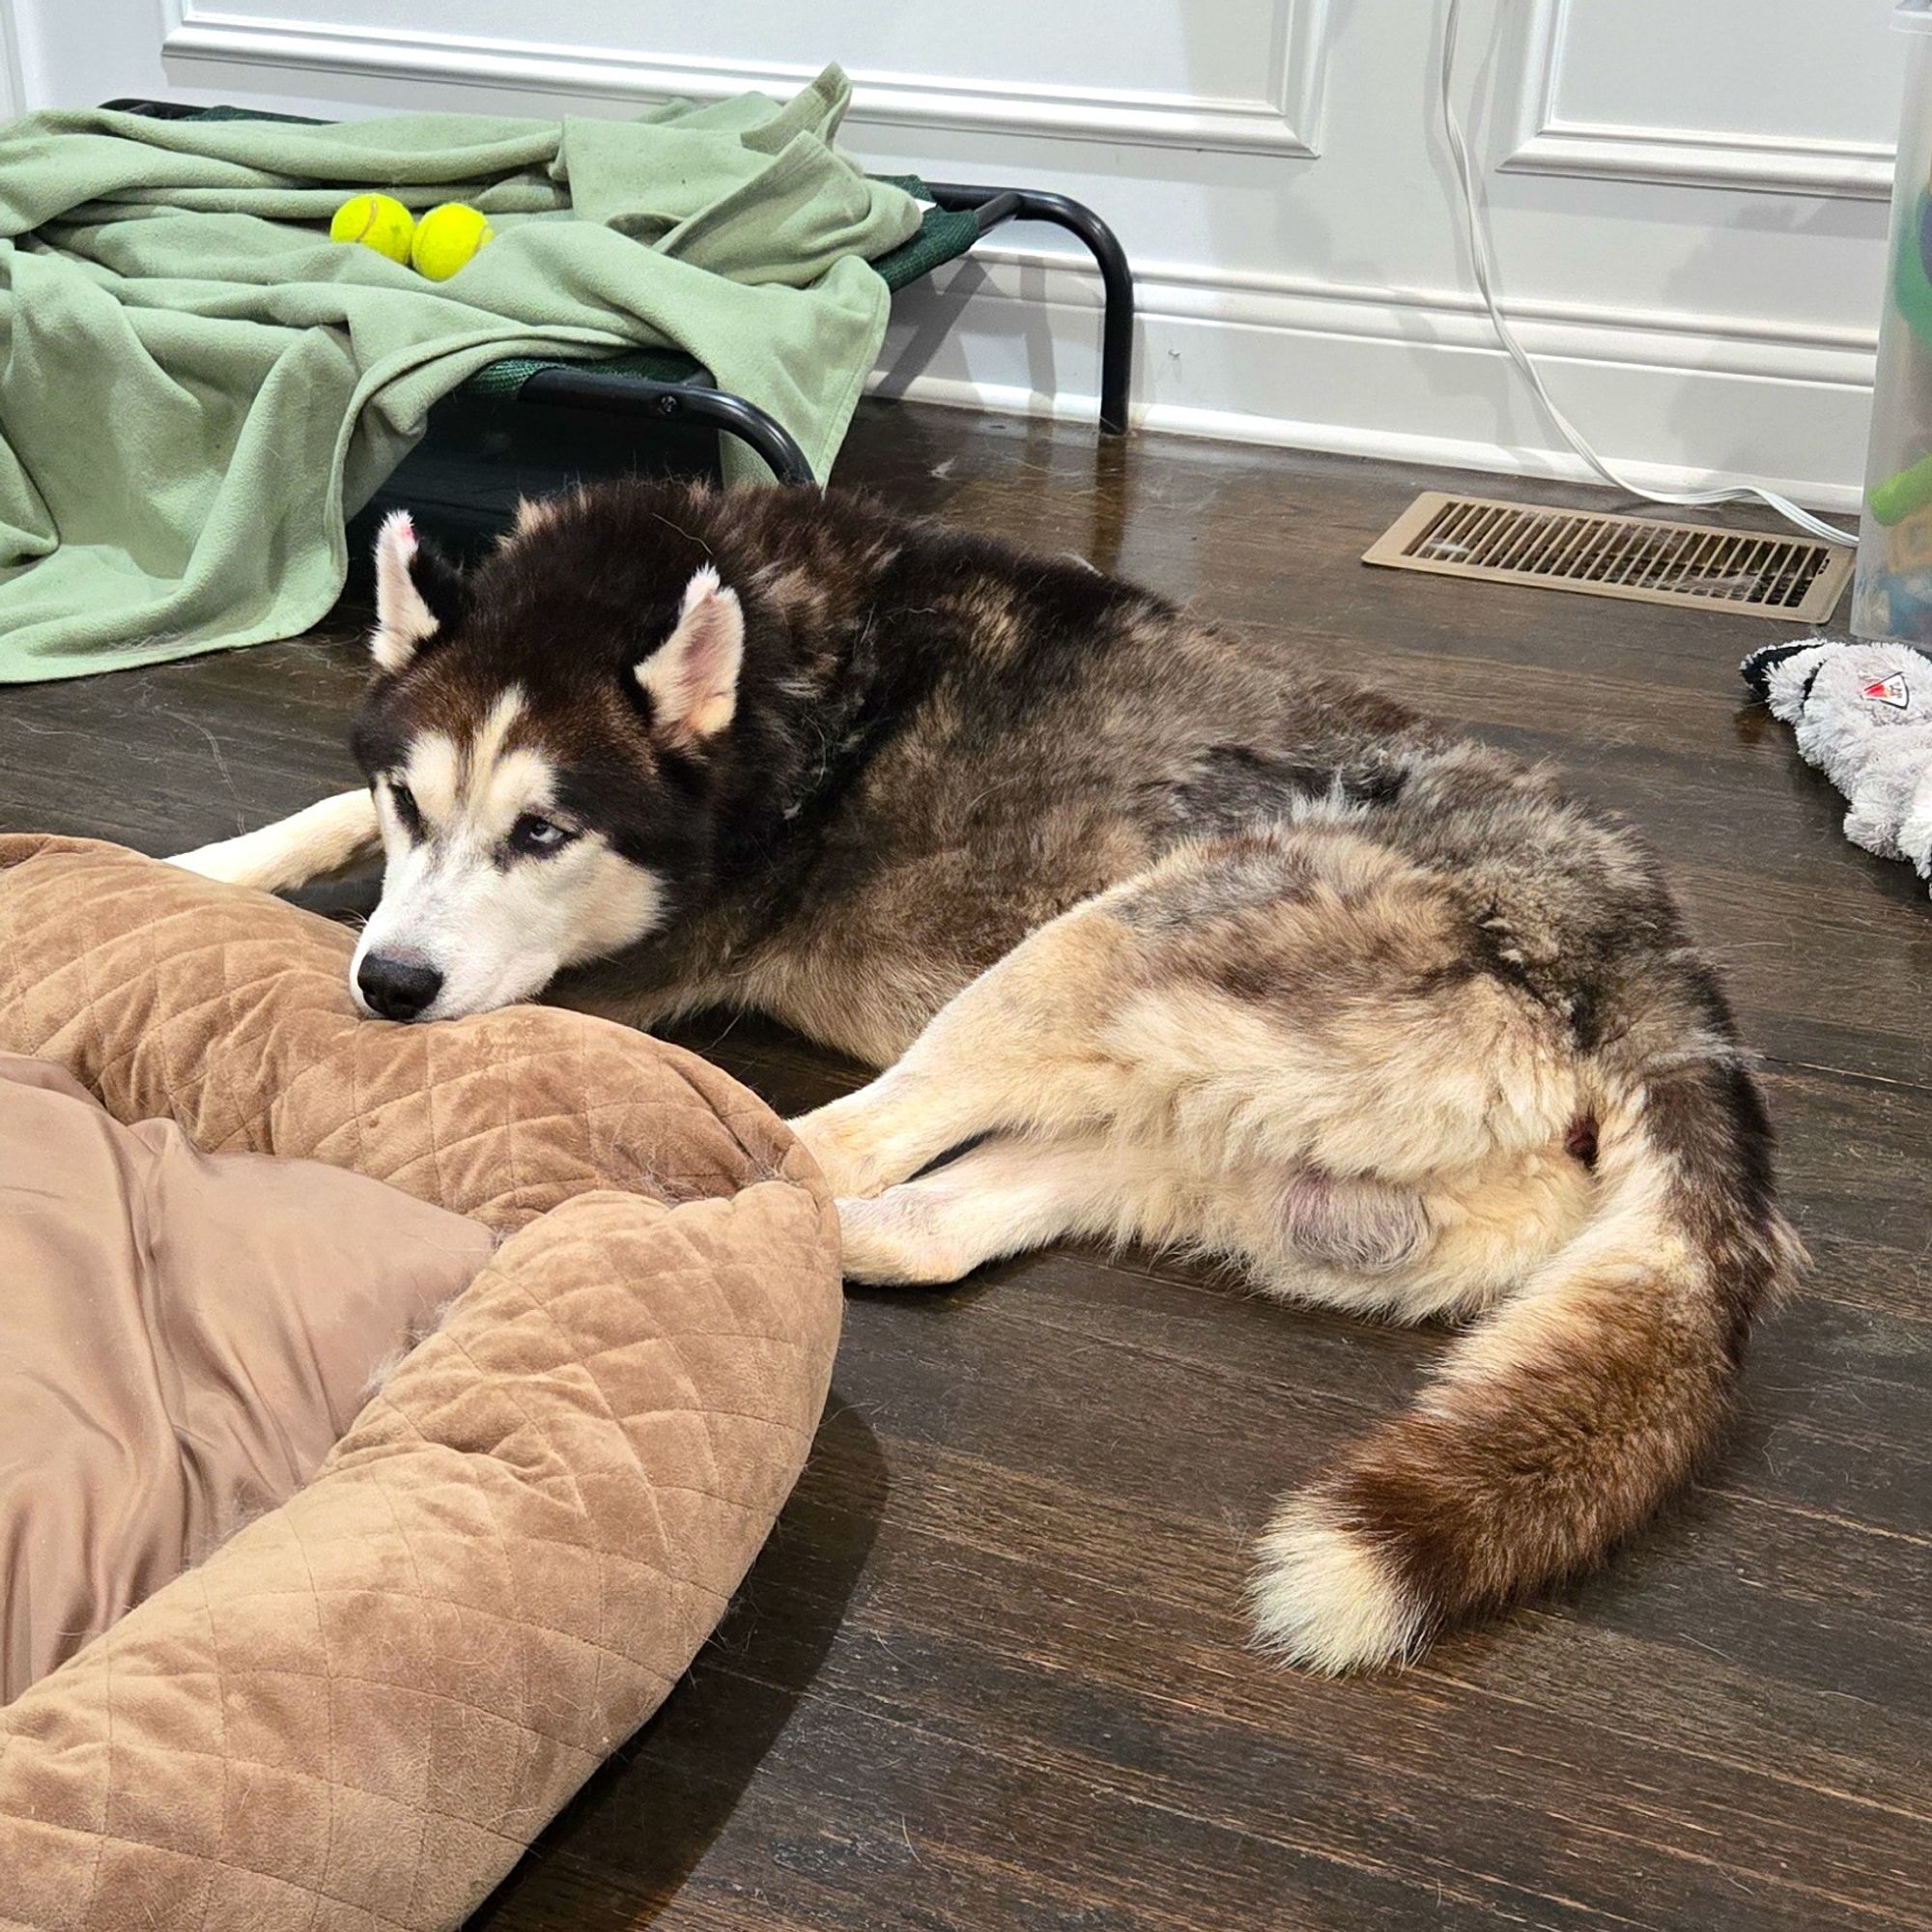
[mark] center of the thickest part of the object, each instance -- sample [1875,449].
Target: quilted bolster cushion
[359,1709]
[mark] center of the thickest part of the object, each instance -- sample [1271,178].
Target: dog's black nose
[396,985]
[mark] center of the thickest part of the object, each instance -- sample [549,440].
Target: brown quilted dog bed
[360,1707]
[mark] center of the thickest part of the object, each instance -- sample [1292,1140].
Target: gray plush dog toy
[1863,715]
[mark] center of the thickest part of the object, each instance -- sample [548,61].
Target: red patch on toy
[1890,691]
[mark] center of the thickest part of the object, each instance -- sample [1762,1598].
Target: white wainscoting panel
[1657,91]
[1251,79]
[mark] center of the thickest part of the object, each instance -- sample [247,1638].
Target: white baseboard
[1676,403]
[1558,465]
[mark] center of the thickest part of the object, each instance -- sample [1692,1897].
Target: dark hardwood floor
[991,1672]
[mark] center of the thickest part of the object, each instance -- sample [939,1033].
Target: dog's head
[541,739]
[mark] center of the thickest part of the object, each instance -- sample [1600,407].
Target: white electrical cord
[1483,262]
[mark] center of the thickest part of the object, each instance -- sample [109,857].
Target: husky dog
[1161,935]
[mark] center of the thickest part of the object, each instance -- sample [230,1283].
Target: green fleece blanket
[197,386]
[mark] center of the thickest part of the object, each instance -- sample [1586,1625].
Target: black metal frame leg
[714,409]
[995,204]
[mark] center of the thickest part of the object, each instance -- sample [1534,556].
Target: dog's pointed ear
[691,677]
[419,594]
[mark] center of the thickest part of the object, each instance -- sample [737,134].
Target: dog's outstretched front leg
[331,836]
[1021,1049]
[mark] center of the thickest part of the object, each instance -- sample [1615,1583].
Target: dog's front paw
[231,863]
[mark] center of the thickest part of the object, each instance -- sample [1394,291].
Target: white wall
[1687,195]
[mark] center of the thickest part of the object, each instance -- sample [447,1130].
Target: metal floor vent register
[1793,579]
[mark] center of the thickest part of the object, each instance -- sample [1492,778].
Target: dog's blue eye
[532,833]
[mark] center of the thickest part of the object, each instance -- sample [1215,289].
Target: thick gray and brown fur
[1181,939]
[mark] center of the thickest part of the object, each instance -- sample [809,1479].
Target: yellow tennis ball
[379,221]
[446,237]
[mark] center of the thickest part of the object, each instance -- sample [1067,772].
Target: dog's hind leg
[1002,1197]
[317,842]
[1295,1003]
[1016,1050]
[1360,1245]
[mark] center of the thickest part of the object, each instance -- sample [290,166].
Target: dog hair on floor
[1159,935]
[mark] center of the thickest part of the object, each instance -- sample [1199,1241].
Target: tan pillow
[183,1337]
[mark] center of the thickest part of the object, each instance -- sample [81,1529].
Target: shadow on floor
[655,1808]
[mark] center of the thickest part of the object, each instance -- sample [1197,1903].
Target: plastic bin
[1891,594]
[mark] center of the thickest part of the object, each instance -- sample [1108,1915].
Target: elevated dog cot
[668,391]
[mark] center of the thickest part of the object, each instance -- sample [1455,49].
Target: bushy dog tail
[1560,1424]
